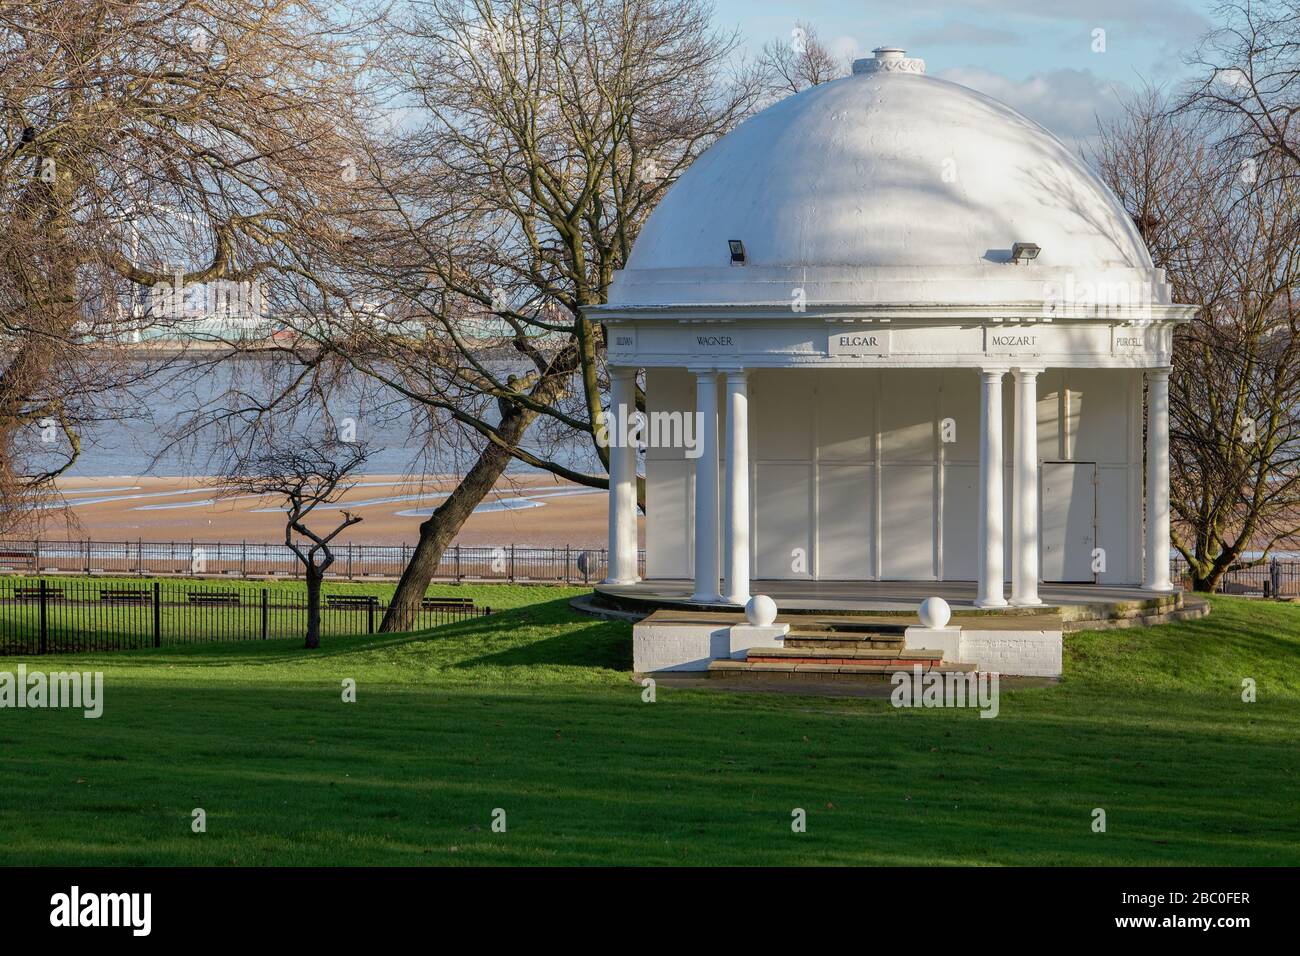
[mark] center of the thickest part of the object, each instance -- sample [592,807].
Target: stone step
[844,625]
[786,671]
[850,654]
[845,645]
[818,638]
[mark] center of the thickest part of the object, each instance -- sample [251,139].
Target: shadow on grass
[604,644]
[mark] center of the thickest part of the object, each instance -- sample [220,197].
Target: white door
[907,523]
[1068,524]
[782,512]
[844,535]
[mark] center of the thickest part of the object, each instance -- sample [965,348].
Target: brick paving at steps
[837,648]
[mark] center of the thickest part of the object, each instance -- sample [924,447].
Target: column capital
[735,373]
[1021,373]
[993,372]
[702,371]
[623,372]
[1160,372]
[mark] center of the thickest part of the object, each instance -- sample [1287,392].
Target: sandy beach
[525,510]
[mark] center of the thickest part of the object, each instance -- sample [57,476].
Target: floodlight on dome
[1024,251]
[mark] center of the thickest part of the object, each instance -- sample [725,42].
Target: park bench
[346,602]
[447,604]
[34,594]
[213,598]
[1236,587]
[124,596]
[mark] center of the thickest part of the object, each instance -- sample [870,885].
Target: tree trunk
[439,530]
[1207,575]
[314,576]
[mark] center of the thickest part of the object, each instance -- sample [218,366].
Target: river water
[164,426]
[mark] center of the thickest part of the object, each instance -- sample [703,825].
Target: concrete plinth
[1021,651]
[746,636]
[946,639]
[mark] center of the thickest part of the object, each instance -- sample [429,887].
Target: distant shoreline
[526,509]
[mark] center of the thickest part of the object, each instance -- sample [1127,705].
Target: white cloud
[845,48]
[957,33]
[1171,17]
[1067,102]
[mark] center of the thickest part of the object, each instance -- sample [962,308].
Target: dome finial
[889,59]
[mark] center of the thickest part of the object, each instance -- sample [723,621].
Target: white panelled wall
[862,474]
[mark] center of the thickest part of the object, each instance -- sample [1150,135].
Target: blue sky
[1037,56]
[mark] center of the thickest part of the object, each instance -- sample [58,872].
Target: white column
[1024,519]
[737,522]
[992,577]
[622,478]
[1157,563]
[706,489]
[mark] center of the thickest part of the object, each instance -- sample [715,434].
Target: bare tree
[1224,227]
[1250,83]
[306,475]
[539,136]
[790,66]
[146,146]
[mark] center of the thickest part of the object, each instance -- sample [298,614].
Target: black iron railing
[1276,577]
[51,615]
[249,559]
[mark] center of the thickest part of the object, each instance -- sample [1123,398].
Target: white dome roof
[885,187]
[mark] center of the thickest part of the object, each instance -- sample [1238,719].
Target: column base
[1161,587]
[737,599]
[1026,602]
[708,599]
[622,581]
[991,602]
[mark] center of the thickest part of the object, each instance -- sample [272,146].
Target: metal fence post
[266,614]
[350,561]
[566,564]
[44,624]
[36,557]
[370,614]
[512,561]
[243,559]
[458,564]
[157,614]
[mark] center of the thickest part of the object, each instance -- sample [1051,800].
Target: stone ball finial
[760,611]
[934,612]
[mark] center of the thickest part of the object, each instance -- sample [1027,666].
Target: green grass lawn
[533,711]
